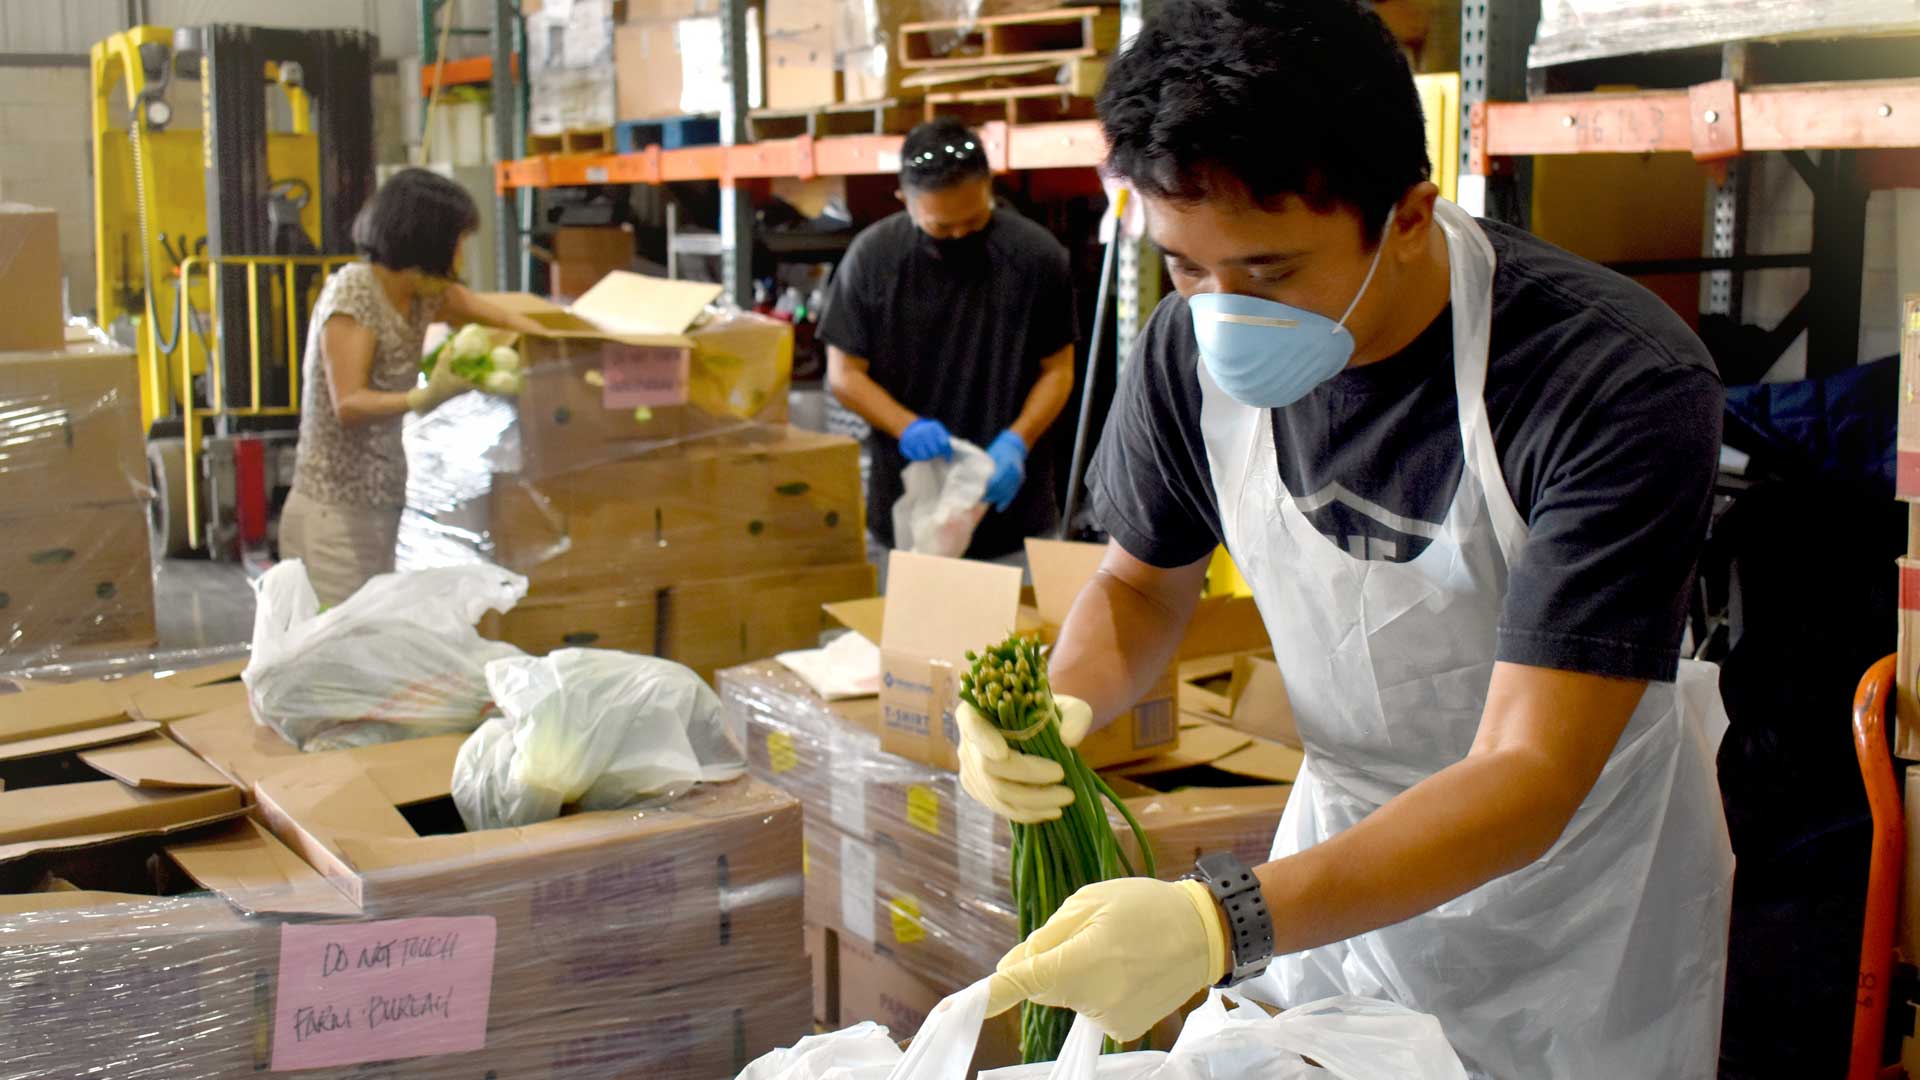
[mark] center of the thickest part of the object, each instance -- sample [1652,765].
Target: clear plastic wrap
[662,942]
[707,533]
[76,574]
[1573,30]
[898,856]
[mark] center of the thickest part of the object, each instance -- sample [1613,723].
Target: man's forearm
[1478,819]
[1116,641]
[1048,398]
[856,390]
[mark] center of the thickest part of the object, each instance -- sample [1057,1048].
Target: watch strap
[1249,926]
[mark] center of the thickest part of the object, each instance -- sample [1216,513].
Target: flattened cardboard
[204,674]
[408,772]
[170,701]
[257,874]
[1260,703]
[65,900]
[630,308]
[58,709]
[106,806]
[76,740]
[155,763]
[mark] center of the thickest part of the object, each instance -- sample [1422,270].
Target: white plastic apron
[1607,957]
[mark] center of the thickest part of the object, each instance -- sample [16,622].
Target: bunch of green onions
[1053,859]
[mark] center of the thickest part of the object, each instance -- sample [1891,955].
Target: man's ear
[1413,221]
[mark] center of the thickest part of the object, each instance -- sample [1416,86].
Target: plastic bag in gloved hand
[400,659]
[942,502]
[590,728]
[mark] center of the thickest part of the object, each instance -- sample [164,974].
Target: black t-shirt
[1605,411]
[959,341]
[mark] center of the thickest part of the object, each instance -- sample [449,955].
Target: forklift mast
[334,69]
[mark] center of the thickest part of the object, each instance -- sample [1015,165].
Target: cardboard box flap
[329,799]
[154,762]
[204,674]
[938,609]
[409,772]
[56,710]
[1202,802]
[634,305]
[11,852]
[177,701]
[864,617]
[258,874]
[1263,759]
[71,810]
[1061,568]
[76,740]
[1200,744]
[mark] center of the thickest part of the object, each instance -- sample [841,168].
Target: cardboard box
[873,987]
[822,946]
[105,779]
[973,605]
[30,280]
[630,368]
[704,510]
[802,72]
[674,67]
[1906,743]
[70,428]
[585,904]
[80,576]
[584,255]
[706,625]
[1907,469]
[1244,691]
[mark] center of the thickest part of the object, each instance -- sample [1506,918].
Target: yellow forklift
[213,234]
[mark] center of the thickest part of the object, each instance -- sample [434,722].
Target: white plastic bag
[941,1051]
[941,505]
[590,728]
[1340,1038]
[400,659]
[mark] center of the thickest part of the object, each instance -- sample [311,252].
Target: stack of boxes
[75,568]
[215,904]
[661,505]
[669,59]
[907,889]
[570,66]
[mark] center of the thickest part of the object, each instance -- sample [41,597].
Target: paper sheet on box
[849,667]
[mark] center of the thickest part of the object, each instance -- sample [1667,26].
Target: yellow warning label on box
[907,927]
[806,861]
[923,809]
[780,753]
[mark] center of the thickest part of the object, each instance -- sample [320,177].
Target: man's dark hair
[1309,98]
[941,153]
[415,221]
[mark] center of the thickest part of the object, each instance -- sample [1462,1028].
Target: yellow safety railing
[292,310]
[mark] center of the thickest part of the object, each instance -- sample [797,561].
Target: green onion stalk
[1053,859]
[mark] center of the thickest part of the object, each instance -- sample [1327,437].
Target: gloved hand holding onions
[472,355]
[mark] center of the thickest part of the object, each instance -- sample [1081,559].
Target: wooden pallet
[1020,105]
[545,144]
[1066,34]
[888,117]
[597,140]
[1081,78]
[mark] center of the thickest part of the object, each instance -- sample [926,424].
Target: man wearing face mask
[1466,475]
[954,319]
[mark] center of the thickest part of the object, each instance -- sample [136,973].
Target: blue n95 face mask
[1267,354]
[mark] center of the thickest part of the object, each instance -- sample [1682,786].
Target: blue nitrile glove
[925,439]
[1009,454]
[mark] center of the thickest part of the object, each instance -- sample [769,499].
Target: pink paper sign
[643,376]
[378,991]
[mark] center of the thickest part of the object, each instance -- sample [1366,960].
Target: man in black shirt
[955,319]
[1466,475]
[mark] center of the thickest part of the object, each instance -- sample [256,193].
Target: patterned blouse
[364,466]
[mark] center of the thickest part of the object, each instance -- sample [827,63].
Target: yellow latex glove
[1121,953]
[442,386]
[1017,786]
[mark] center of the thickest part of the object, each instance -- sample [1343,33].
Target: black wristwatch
[1249,926]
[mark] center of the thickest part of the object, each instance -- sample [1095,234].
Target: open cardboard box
[1242,690]
[630,343]
[637,898]
[936,610]
[159,697]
